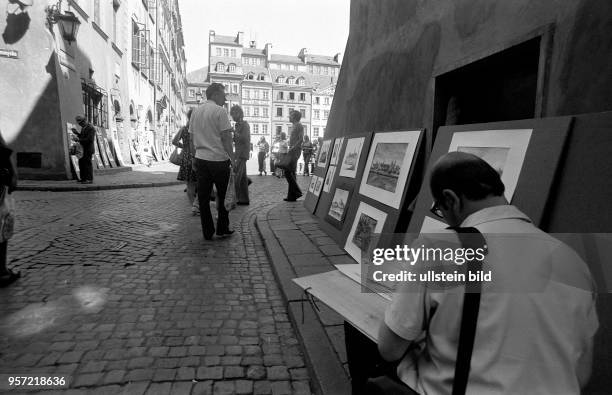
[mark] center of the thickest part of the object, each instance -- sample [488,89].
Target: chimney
[252,44]
[267,50]
[240,38]
[302,55]
[211,36]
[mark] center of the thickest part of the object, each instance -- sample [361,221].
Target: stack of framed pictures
[515,149]
[318,177]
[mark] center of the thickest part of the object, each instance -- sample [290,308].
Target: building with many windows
[268,86]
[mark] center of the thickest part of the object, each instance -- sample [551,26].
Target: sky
[322,26]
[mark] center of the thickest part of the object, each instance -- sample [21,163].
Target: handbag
[390,384]
[230,194]
[175,157]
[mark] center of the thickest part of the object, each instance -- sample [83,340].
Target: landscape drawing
[338,205]
[336,150]
[324,153]
[329,178]
[364,230]
[495,156]
[311,186]
[386,165]
[352,153]
[318,186]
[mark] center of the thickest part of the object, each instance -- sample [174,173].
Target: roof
[312,80]
[227,40]
[322,59]
[253,51]
[198,76]
[285,59]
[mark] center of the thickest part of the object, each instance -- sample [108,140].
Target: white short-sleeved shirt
[206,124]
[526,342]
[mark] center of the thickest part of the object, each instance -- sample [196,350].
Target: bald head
[467,175]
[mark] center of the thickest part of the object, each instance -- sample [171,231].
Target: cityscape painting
[324,154]
[329,178]
[352,153]
[312,184]
[495,156]
[388,166]
[385,168]
[338,205]
[336,151]
[368,221]
[318,186]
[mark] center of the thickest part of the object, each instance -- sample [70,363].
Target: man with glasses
[527,340]
[214,155]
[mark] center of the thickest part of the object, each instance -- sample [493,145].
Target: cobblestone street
[121,294]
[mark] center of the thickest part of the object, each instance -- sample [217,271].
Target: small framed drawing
[352,153]
[329,178]
[336,151]
[318,186]
[324,153]
[338,208]
[504,150]
[368,221]
[311,186]
[388,166]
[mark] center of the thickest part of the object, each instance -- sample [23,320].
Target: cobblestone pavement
[121,293]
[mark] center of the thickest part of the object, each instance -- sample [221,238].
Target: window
[286,66]
[264,128]
[315,132]
[317,114]
[234,88]
[95,105]
[279,111]
[325,114]
[220,66]
[218,51]
[303,112]
[97,12]
[261,77]
[246,93]
[310,69]
[139,45]
[256,112]
[302,97]
[256,128]
[333,71]
[326,70]
[249,76]
[317,100]
[280,96]
[317,69]
[305,129]
[279,129]
[226,52]
[191,92]
[291,95]
[291,80]
[280,79]
[233,53]
[247,111]
[265,95]
[301,81]
[115,33]
[232,67]
[327,100]
[265,112]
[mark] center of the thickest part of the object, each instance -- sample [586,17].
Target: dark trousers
[261,159]
[209,173]
[272,166]
[306,164]
[294,190]
[363,359]
[86,167]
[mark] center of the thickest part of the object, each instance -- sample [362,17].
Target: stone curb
[326,370]
[94,187]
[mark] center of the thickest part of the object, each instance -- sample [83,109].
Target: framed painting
[75,164]
[350,161]
[336,151]
[388,166]
[311,186]
[109,152]
[318,186]
[324,154]
[329,178]
[368,221]
[504,150]
[338,208]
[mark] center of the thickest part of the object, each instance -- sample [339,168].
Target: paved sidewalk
[141,176]
[298,247]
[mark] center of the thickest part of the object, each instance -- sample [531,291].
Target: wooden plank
[365,311]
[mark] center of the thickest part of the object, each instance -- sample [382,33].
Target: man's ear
[450,199]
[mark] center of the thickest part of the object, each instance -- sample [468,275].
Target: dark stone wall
[397,47]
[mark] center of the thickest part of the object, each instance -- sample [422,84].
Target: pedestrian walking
[182,140]
[274,154]
[8,183]
[242,146]
[294,151]
[214,156]
[307,150]
[86,138]
[263,149]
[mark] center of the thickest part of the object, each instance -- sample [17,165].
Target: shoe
[260,174]
[225,233]
[242,203]
[9,278]
[289,200]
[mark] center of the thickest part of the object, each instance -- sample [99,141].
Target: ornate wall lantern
[68,22]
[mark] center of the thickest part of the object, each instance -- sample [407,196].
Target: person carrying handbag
[8,183]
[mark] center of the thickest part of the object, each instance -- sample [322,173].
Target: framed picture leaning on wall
[388,166]
[324,153]
[350,161]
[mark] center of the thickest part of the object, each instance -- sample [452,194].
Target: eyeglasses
[435,210]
